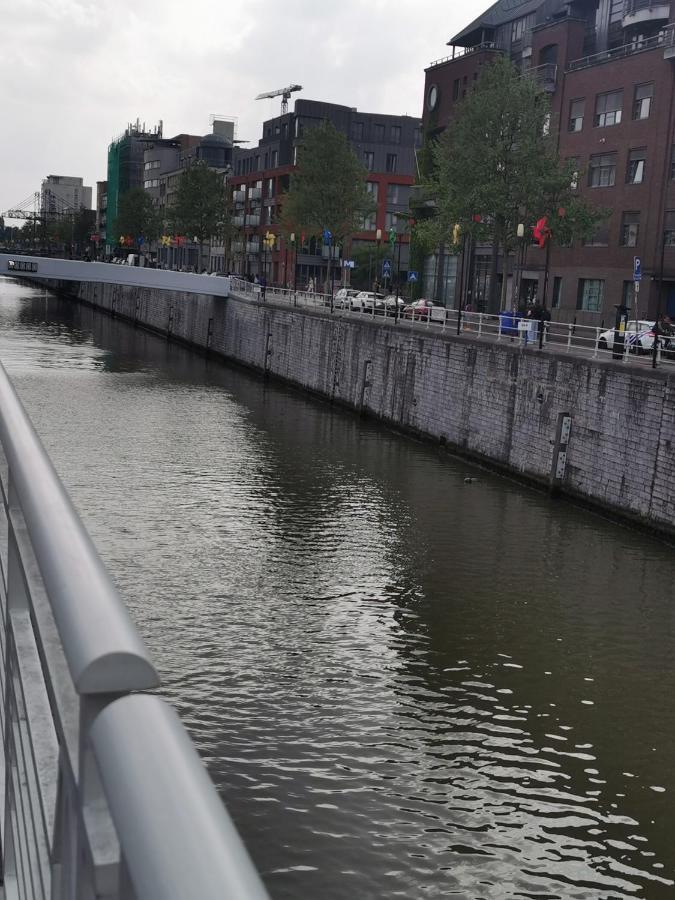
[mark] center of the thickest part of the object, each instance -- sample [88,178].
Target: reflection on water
[403,685]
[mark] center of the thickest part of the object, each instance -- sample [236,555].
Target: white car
[639,335]
[365,301]
[343,296]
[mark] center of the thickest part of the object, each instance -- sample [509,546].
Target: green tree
[200,207]
[328,189]
[498,166]
[137,216]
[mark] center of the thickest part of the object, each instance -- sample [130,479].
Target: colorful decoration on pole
[392,236]
[541,231]
[165,240]
[456,233]
[269,240]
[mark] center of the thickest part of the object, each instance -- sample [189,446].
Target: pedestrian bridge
[46,267]
[103,793]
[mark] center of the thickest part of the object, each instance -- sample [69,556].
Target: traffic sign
[386,268]
[637,269]
[412,277]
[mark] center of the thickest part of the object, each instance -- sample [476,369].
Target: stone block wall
[494,402]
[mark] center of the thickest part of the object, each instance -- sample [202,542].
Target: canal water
[404,684]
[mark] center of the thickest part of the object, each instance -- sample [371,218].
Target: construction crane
[284,93]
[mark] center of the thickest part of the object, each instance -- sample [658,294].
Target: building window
[390,221]
[602,170]
[379,134]
[371,187]
[270,187]
[608,109]
[642,103]
[418,137]
[669,228]
[591,294]
[599,238]
[396,134]
[636,167]
[456,87]
[628,295]
[392,194]
[392,161]
[369,223]
[576,120]
[517,29]
[557,292]
[284,131]
[275,158]
[357,131]
[369,159]
[630,228]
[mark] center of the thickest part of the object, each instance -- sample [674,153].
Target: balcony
[252,220]
[239,196]
[637,12]
[238,221]
[459,52]
[252,247]
[237,246]
[664,40]
[255,193]
[545,75]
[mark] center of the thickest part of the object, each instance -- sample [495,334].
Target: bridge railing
[105,795]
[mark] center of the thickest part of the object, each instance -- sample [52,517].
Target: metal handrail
[665,38]
[68,650]
[160,861]
[102,647]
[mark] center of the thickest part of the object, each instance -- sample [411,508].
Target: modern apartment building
[61,193]
[385,144]
[608,67]
[125,169]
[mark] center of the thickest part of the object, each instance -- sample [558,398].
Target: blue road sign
[386,268]
[412,277]
[637,268]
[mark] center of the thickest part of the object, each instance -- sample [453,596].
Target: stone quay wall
[495,403]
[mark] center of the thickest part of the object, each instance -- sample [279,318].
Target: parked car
[640,339]
[343,296]
[424,310]
[390,303]
[366,301]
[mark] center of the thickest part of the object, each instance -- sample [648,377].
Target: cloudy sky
[73,73]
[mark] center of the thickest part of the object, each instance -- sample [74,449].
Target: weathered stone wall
[493,402]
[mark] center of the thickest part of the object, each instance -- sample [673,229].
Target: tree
[327,193]
[498,166]
[137,216]
[200,207]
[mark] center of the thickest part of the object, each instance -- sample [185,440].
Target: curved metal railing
[105,793]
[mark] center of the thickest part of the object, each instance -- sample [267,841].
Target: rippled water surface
[404,685]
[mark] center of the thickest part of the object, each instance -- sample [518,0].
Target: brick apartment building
[386,145]
[608,67]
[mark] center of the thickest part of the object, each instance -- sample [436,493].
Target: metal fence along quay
[105,795]
[635,344]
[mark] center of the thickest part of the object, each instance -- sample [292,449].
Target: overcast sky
[73,73]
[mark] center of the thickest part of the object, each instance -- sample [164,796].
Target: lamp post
[520,233]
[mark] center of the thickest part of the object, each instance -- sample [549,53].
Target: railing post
[570,331]
[499,328]
[480,324]
[597,343]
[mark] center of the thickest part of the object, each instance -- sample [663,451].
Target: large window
[591,294]
[600,237]
[357,131]
[642,102]
[371,187]
[379,134]
[630,228]
[396,134]
[557,292]
[576,120]
[608,109]
[392,162]
[392,194]
[517,29]
[602,170]
[669,228]
[635,173]
[369,160]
